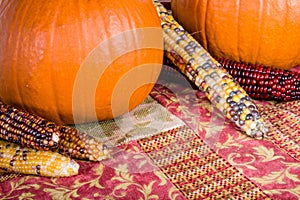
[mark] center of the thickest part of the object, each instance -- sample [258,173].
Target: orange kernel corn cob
[23,160]
[205,72]
[35,132]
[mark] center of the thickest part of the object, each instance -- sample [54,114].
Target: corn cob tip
[95,149]
[259,132]
[80,145]
[70,169]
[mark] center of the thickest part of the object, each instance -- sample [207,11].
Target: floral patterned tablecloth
[176,145]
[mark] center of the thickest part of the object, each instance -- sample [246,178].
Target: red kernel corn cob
[35,132]
[260,82]
[199,67]
[264,83]
[23,160]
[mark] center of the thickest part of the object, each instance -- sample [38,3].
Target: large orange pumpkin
[78,61]
[265,32]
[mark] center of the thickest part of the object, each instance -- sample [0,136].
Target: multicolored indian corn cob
[35,132]
[199,67]
[23,160]
[262,82]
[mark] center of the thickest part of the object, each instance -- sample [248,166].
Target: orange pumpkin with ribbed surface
[78,61]
[265,32]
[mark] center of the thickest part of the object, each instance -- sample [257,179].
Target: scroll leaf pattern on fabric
[97,180]
[271,163]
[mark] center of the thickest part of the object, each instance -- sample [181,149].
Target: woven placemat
[147,119]
[195,169]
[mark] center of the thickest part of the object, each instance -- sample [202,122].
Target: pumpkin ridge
[198,28]
[80,28]
[260,29]
[55,107]
[238,15]
[206,45]
[298,53]
[19,18]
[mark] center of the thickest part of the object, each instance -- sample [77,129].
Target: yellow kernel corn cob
[14,158]
[35,132]
[207,74]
